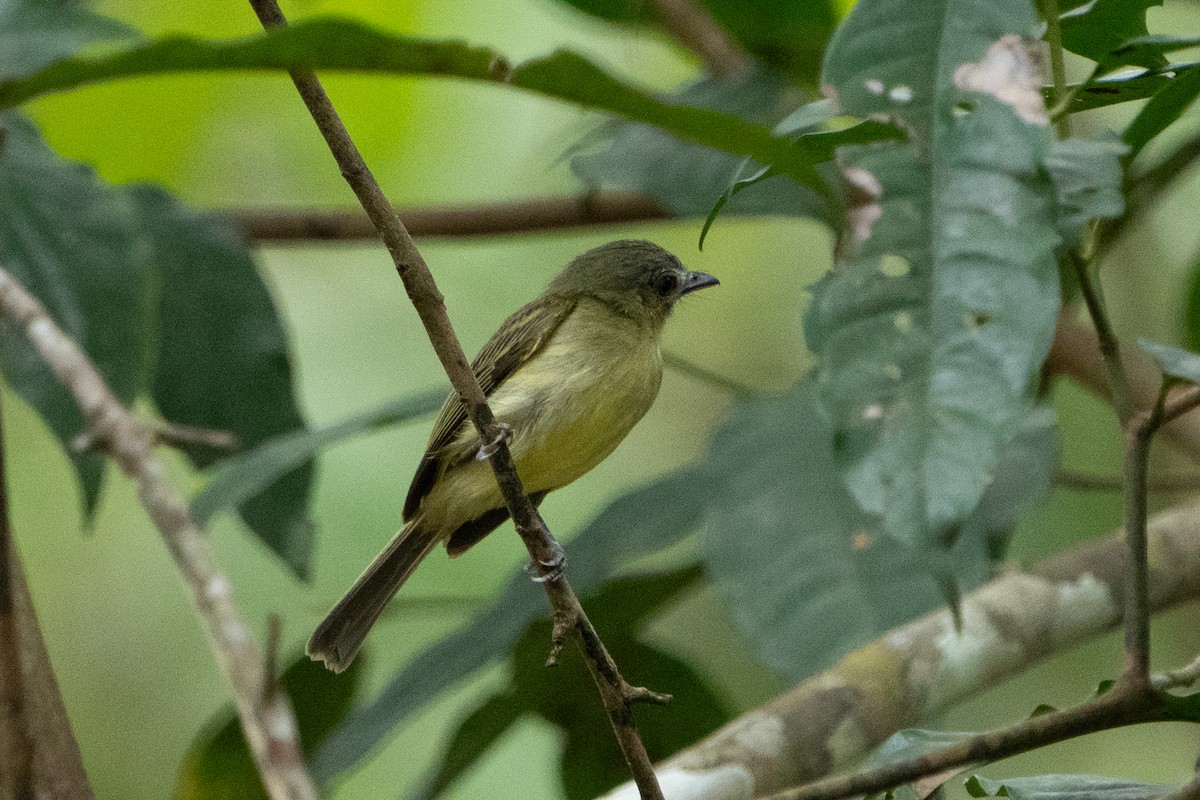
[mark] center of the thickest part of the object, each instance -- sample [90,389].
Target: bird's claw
[552,570]
[488,450]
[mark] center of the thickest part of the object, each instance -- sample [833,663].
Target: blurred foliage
[895,475]
[1066,787]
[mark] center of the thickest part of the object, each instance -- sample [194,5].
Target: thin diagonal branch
[616,695]
[270,728]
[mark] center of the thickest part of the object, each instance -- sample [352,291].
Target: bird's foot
[552,570]
[488,450]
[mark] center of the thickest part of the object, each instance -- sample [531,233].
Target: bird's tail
[337,639]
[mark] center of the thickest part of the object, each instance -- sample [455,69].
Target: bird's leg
[488,450]
[553,569]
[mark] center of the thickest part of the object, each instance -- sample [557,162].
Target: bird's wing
[519,339]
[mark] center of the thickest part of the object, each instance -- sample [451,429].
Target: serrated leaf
[34,33]
[218,765]
[1166,106]
[642,521]
[1088,176]
[1098,27]
[223,359]
[1066,787]
[1174,362]
[245,476]
[77,245]
[564,695]
[932,328]
[337,44]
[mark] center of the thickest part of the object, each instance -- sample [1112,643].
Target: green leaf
[1191,321]
[808,576]
[1174,362]
[910,743]
[1088,176]
[1066,787]
[1098,27]
[223,359]
[1147,51]
[247,475]
[1125,88]
[686,178]
[218,765]
[931,330]
[1164,108]
[642,521]
[565,696]
[78,246]
[34,33]
[336,44]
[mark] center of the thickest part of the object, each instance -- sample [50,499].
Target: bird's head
[636,278]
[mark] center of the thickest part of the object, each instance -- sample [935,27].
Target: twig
[270,729]
[616,695]
[1112,710]
[1110,348]
[1057,68]
[693,26]
[187,437]
[1084,482]
[705,375]
[487,219]
[1180,678]
[1075,354]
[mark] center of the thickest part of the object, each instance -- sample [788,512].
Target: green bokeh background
[133,665]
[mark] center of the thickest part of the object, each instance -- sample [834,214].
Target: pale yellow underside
[569,407]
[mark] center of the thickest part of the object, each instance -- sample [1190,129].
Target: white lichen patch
[874,85]
[1084,606]
[967,656]
[728,782]
[1008,72]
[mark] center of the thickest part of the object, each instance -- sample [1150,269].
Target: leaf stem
[544,552]
[1057,67]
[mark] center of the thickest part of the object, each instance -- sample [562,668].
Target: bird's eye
[666,283]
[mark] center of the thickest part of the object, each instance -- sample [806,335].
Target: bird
[567,376]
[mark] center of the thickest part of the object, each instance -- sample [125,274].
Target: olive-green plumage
[571,373]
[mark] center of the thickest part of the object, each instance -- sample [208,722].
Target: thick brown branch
[270,728]
[544,552]
[486,219]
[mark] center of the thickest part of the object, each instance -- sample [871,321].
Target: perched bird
[570,374]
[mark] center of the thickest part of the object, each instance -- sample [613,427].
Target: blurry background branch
[269,726]
[694,28]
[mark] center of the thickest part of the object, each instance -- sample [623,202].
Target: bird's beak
[697,280]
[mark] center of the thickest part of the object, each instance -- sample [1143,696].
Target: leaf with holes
[931,329]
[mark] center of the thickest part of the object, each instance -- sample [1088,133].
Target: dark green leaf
[643,521]
[565,696]
[1088,177]
[1043,709]
[33,33]
[78,246]
[687,178]
[1066,787]
[335,44]
[1174,363]
[247,475]
[1147,51]
[1126,88]
[807,576]
[223,360]
[1164,107]
[1098,27]
[1191,322]
[218,765]
[932,329]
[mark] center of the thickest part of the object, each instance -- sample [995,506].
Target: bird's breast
[576,400]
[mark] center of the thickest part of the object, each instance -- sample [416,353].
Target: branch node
[564,620]
[551,570]
[640,694]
